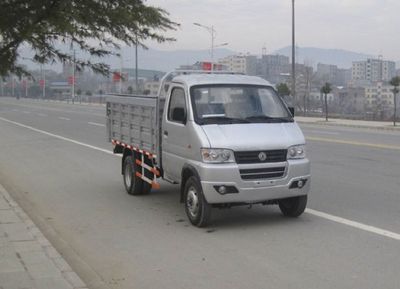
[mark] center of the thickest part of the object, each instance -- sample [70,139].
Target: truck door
[175,134]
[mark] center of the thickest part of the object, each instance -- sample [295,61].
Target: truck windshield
[226,104]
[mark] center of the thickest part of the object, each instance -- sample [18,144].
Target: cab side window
[177,106]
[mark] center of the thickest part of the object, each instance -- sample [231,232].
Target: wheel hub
[192,202]
[128,175]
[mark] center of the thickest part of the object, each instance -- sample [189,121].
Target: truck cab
[230,140]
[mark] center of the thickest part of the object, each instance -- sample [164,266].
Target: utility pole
[120,76]
[73,79]
[136,66]
[211,30]
[212,46]
[293,56]
[42,82]
[26,87]
[12,85]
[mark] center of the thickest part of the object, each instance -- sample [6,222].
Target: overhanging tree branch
[42,25]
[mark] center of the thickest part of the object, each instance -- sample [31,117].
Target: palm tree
[396,83]
[325,90]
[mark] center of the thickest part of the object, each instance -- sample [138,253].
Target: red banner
[71,80]
[42,82]
[206,65]
[116,77]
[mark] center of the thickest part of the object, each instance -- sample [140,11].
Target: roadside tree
[283,89]
[98,28]
[284,92]
[326,89]
[395,82]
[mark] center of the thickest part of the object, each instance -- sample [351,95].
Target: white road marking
[361,226]
[44,107]
[42,114]
[15,109]
[324,132]
[58,136]
[25,111]
[96,124]
[63,118]
[347,222]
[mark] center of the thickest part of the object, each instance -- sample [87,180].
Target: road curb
[30,260]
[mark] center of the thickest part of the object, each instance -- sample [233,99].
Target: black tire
[196,207]
[133,184]
[293,207]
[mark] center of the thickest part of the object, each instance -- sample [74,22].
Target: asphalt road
[55,161]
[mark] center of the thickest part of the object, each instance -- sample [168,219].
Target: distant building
[251,65]
[332,74]
[327,72]
[272,67]
[373,70]
[61,89]
[343,77]
[235,63]
[379,100]
[379,94]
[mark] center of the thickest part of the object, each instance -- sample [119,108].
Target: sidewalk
[27,259]
[385,125]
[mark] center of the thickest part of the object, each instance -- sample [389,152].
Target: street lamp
[122,60]
[293,55]
[43,81]
[211,30]
[222,44]
[136,65]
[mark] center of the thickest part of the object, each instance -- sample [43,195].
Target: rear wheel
[293,207]
[133,184]
[196,207]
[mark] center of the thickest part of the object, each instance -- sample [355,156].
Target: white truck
[226,139]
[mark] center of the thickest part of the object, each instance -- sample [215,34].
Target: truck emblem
[262,156]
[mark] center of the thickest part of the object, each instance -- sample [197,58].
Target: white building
[235,63]
[373,70]
[379,95]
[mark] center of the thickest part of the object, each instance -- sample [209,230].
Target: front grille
[262,173]
[252,157]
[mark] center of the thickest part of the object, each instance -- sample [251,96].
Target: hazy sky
[368,26]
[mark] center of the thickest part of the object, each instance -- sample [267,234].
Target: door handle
[165,133]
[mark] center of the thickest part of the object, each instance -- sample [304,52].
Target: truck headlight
[296,152]
[217,156]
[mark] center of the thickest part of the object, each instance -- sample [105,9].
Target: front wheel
[293,207]
[196,207]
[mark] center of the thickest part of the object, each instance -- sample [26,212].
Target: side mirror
[178,115]
[291,109]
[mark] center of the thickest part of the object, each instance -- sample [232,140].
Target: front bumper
[252,191]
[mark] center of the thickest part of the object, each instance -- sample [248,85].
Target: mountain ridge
[166,60]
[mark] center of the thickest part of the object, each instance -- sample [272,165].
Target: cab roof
[199,79]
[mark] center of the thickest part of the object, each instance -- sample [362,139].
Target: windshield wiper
[266,118]
[222,119]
